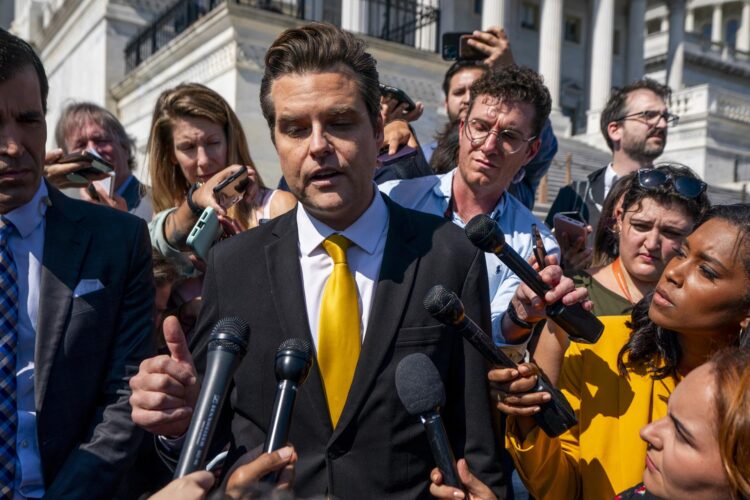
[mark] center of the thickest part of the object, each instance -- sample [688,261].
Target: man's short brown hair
[318,47]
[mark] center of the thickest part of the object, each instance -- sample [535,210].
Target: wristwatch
[511,313]
[197,211]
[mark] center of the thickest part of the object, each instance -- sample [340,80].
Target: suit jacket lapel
[285,277]
[397,272]
[65,244]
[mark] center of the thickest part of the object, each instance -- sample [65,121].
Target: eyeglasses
[689,187]
[652,117]
[511,141]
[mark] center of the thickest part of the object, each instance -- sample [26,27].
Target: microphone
[555,416]
[580,324]
[420,389]
[226,347]
[293,362]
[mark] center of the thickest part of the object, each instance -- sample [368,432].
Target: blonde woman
[196,142]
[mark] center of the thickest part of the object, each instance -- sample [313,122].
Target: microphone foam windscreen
[418,384]
[483,231]
[437,299]
[231,333]
[296,344]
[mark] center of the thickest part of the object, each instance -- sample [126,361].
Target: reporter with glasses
[634,123]
[498,137]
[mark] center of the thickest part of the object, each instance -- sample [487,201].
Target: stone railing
[705,100]
[657,45]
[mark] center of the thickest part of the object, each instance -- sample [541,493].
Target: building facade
[123,53]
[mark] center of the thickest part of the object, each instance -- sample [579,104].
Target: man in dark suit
[77,298]
[634,123]
[353,436]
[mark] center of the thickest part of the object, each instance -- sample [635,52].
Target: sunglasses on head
[687,186]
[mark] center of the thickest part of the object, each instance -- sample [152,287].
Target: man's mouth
[325,174]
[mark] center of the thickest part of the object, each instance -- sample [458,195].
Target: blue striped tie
[8,341]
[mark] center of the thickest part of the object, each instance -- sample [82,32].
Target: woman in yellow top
[701,451]
[646,217]
[622,383]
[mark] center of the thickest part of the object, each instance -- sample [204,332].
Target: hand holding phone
[231,190]
[399,95]
[94,167]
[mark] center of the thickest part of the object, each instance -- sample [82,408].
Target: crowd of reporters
[666,274]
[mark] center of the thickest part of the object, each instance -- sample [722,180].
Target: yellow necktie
[339,341]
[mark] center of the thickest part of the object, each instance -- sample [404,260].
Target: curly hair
[317,47]
[615,108]
[516,84]
[657,349]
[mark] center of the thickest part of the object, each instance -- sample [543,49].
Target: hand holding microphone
[226,348]
[581,325]
[555,416]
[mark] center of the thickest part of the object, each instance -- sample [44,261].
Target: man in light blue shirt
[498,137]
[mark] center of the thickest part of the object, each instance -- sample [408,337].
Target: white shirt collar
[365,232]
[28,216]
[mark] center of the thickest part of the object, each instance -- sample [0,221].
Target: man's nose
[10,143]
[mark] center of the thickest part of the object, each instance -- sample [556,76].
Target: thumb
[176,341]
[52,156]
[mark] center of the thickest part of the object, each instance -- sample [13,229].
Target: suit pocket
[91,302]
[421,335]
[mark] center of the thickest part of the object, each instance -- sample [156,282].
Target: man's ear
[532,151]
[614,131]
[380,131]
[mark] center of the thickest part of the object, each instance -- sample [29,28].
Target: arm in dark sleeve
[98,463]
[482,444]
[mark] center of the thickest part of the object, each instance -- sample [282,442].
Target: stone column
[600,84]
[743,34]
[550,55]
[664,24]
[717,24]
[676,51]
[495,13]
[425,38]
[354,16]
[690,21]
[636,28]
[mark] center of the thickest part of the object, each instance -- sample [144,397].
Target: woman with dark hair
[616,386]
[652,211]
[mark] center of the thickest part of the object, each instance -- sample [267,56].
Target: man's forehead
[20,92]
[491,108]
[644,98]
[468,75]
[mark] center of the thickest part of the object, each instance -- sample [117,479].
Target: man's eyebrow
[341,110]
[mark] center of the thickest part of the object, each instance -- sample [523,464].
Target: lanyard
[620,279]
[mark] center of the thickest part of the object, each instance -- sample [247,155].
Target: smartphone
[399,95]
[573,228]
[575,215]
[232,189]
[205,232]
[97,166]
[456,46]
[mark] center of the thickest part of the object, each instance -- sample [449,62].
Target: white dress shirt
[432,194]
[368,235]
[610,178]
[27,246]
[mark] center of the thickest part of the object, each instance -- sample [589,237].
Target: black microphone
[580,324]
[421,391]
[555,416]
[226,347]
[293,362]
